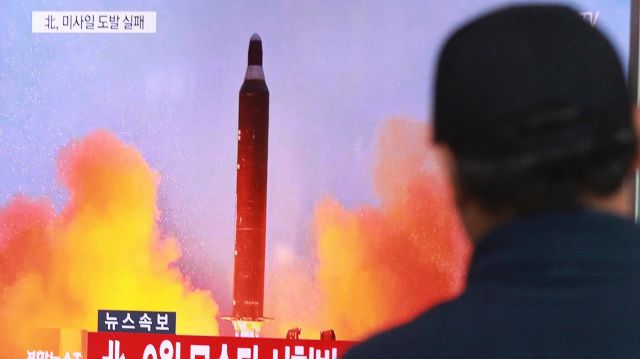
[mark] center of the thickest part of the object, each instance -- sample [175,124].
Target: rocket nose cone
[255,50]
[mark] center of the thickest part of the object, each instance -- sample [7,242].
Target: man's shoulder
[416,337]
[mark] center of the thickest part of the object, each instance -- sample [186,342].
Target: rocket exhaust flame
[251,197]
[372,267]
[104,250]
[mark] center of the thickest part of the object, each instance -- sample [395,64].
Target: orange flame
[104,251]
[374,266]
[379,266]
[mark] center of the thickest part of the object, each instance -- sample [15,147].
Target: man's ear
[635,117]
[445,160]
[475,219]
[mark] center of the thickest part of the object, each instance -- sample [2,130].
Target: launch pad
[246,328]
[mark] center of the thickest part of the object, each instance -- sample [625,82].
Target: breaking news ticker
[157,346]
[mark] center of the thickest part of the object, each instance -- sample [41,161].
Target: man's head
[531,103]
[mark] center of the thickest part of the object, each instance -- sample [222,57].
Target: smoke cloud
[103,251]
[365,269]
[378,266]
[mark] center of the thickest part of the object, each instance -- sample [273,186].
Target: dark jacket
[562,285]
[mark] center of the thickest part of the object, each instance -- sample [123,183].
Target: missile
[251,197]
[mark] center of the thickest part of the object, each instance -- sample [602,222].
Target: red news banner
[157,346]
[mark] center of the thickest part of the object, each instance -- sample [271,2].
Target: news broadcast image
[230,175]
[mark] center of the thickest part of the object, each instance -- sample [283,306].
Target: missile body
[251,194]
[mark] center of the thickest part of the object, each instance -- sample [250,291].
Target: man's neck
[479,221]
[621,202]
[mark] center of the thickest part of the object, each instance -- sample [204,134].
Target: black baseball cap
[535,78]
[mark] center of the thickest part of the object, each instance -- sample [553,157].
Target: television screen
[135,176]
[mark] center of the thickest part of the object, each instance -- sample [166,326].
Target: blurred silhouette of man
[536,125]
